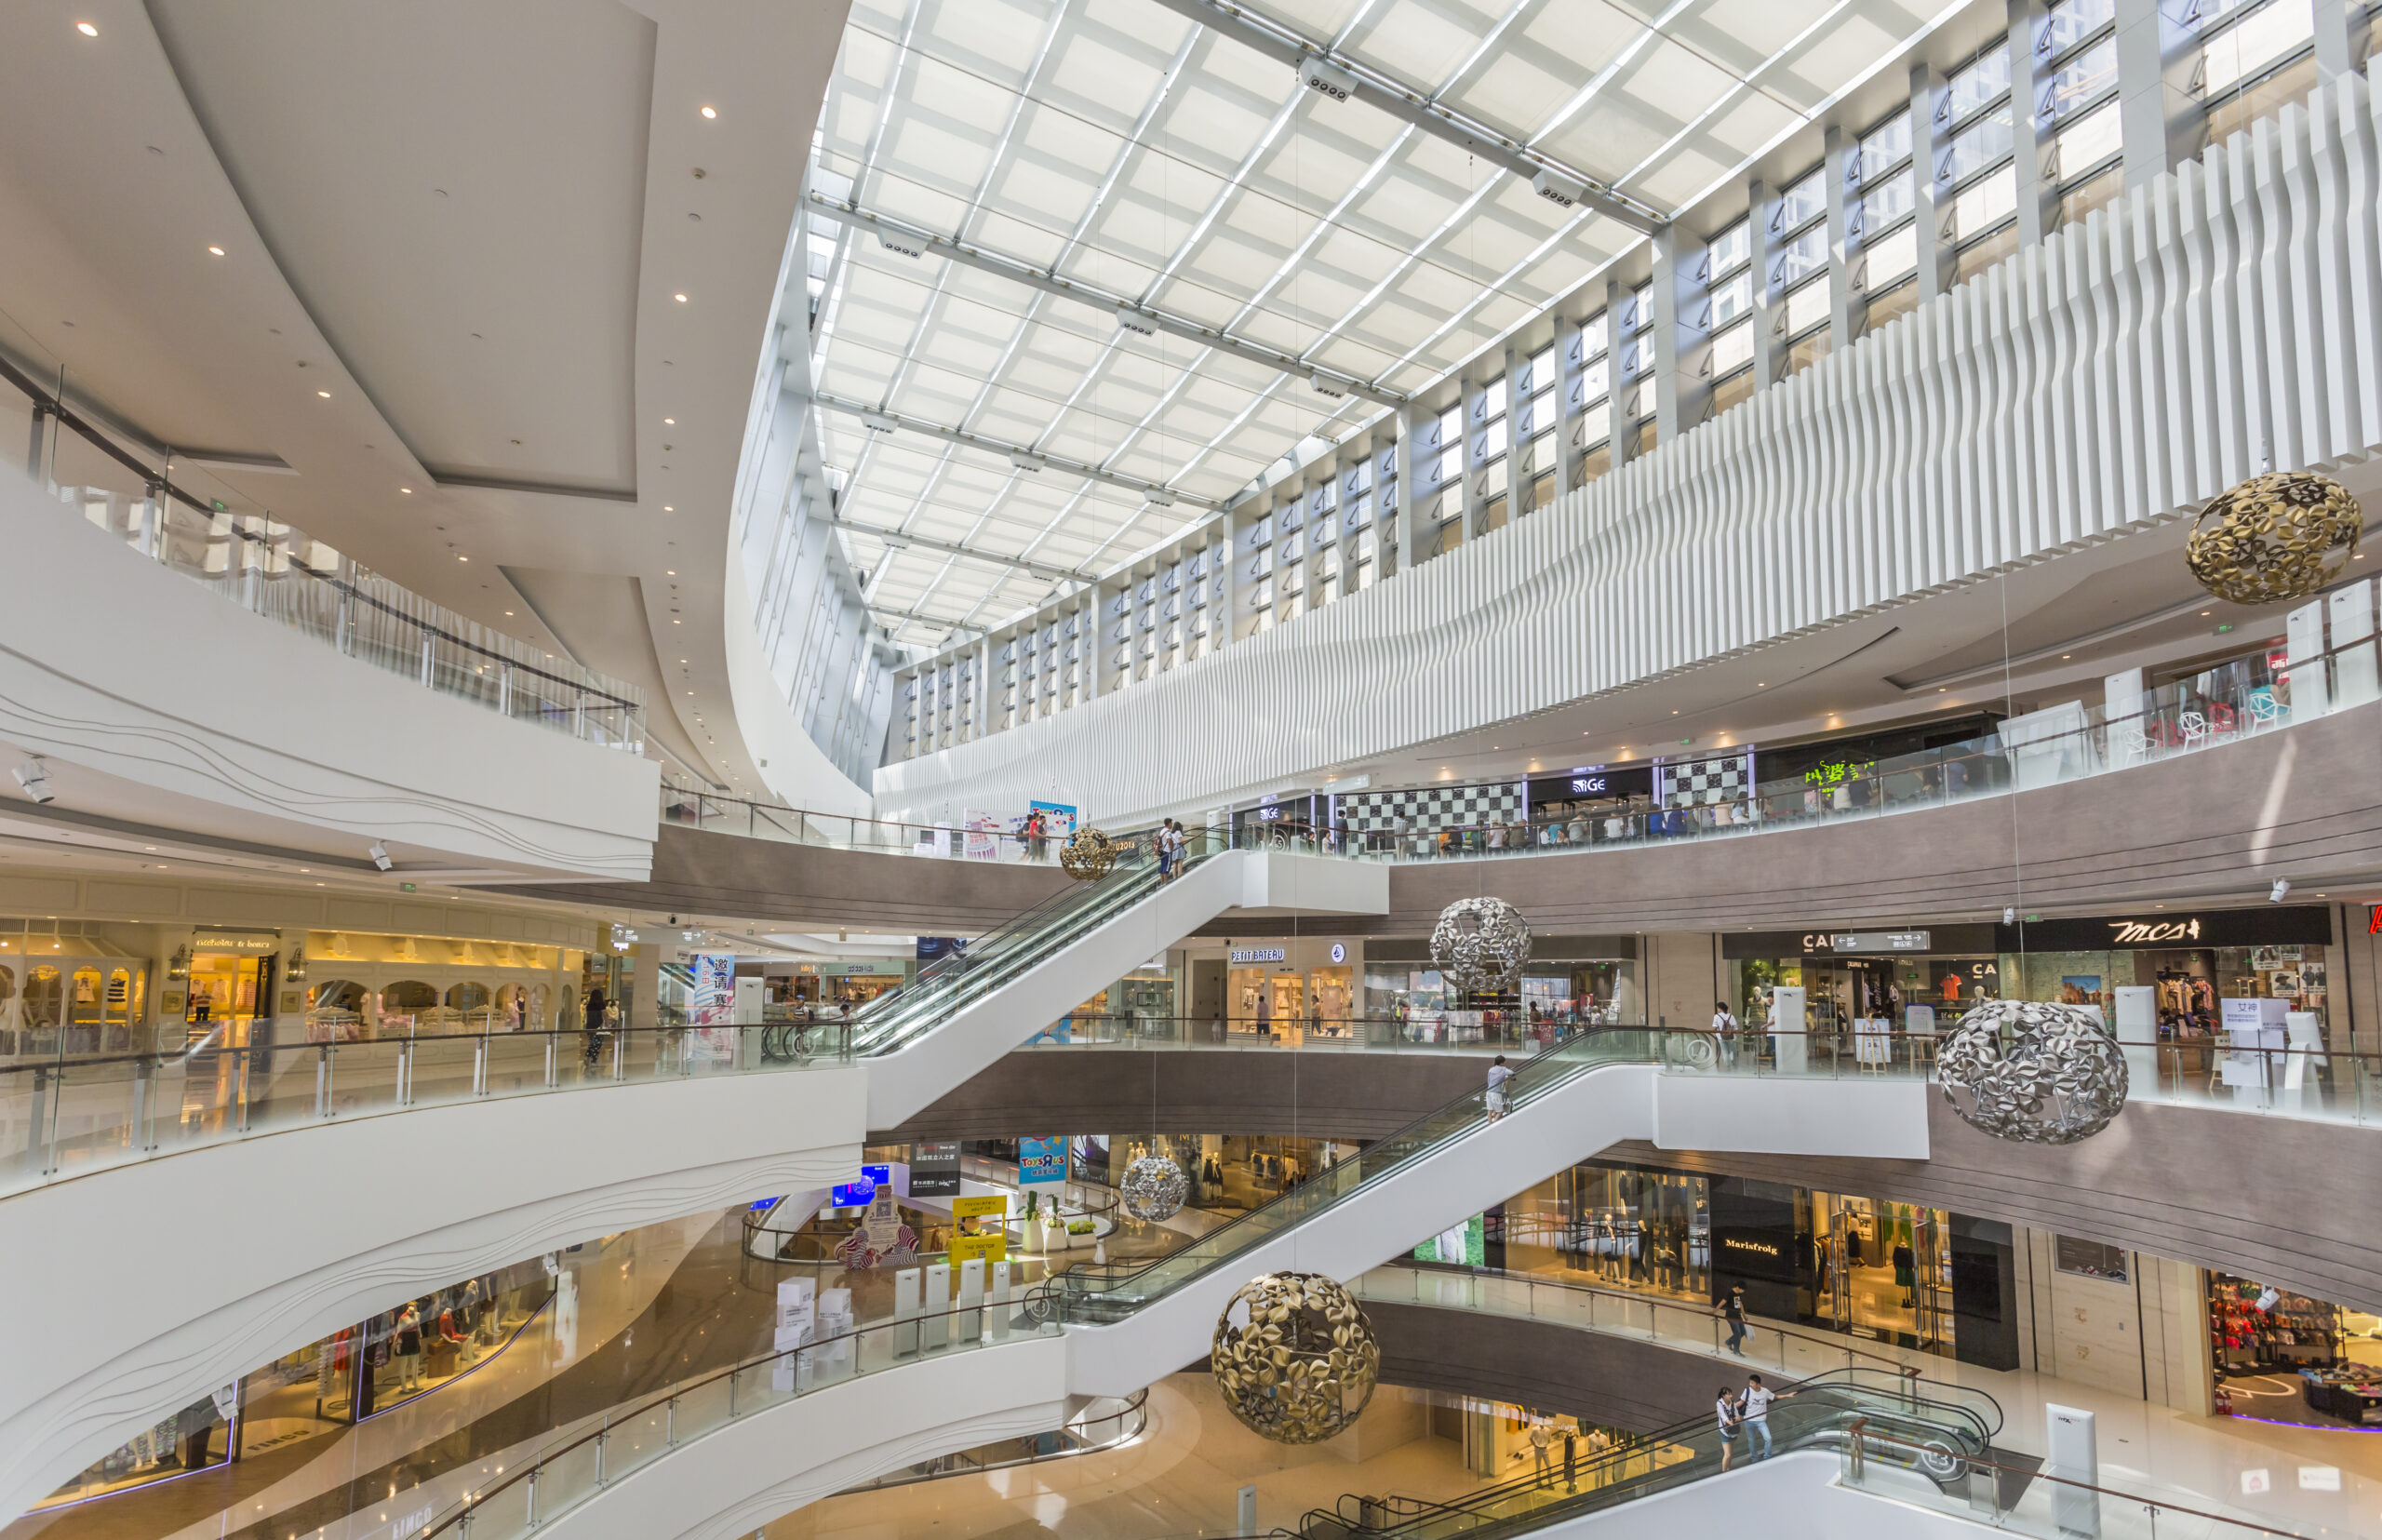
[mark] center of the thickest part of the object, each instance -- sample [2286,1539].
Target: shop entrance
[1884,1270]
[229,1011]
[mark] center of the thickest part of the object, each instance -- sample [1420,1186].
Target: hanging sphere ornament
[1088,855]
[1153,1187]
[1300,1363]
[2279,536]
[2037,1073]
[1480,945]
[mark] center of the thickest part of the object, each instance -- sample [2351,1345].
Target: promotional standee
[980,1229]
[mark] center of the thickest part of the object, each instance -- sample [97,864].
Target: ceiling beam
[1400,101]
[1023,564]
[911,241]
[879,613]
[1025,459]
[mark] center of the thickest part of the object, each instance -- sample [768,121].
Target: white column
[1410,499]
[2158,122]
[1768,300]
[2029,134]
[1621,449]
[1933,197]
[1681,344]
[1843,251]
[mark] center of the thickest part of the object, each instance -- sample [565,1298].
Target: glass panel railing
[1095,1296]
[217,537]
[1904,1425]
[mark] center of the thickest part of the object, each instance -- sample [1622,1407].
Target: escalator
[1941,1432]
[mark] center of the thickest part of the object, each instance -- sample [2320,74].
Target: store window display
[2283,1356]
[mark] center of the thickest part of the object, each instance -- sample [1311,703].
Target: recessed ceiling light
[681,298]
[462,558]
[508,612]
[670,422]
[215,252]
[86,29]
[667,509]
[324,393]
[677,623]
[671,572]
[2204,611]
[711,112]
[407,491]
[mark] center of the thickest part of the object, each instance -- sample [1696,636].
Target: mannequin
[407,1344]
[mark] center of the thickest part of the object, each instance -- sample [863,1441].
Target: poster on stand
[880,1239]
[979,1228]
[1042,1162]
[982,837]
[710,988]
[1873,1040]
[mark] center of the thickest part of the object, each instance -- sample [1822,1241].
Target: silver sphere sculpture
[1302,1361]
[2038,1073]
[1480,945]
[1153,1187]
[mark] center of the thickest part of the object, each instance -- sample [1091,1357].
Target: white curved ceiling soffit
[1124,146]
[469,225]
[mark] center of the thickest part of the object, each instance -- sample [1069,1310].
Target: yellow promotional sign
[979,1228]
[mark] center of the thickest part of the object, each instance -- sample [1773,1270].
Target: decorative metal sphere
[1300,1364]
[1088,855]
[1153,1187]
[1480,945]
[2011,1057]
[2279,536]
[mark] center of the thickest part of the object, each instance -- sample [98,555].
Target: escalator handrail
[1365,1180]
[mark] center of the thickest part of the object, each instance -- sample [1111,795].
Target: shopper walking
[1498,1076]
[594,1024]
[1755,1407]
[1724,1408]
[1732,1310]
[1163,843]
[1724,1033]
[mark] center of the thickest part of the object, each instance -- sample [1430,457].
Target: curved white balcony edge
[731,1482]
[106,655]
[154,1284]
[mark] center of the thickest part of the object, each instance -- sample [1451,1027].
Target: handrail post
[479,1065]
[620,1062]
[602,1436]
[550,1061]
[144,1105]
[242,1088]
[530,1508]
[322,1080]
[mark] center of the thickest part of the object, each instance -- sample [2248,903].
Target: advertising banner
[880,1239]
[711,991]
[1058,818]
[1465,1244]
[1042,1162]
[979,1228]
[982,841]
[934,1169]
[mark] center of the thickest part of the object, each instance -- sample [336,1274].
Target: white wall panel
[2210,325]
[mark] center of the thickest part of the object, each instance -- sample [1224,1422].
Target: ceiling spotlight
[379,853]
[35,779]
[86,29]
[1325,78]
[903,245]
[1025,461]
[711,112]
[324,393]
[1558,189]
[877,422]
[667,509]
[1133,318]
[2282,889]
[215,252]
[407,491]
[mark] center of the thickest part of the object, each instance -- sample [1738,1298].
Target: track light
[1325,78]
[2282,891]
[379,853]
[1160,496]
[902,244]
[1025,461]
[1324,385]
[35,779]
[1136,320]
[877,422]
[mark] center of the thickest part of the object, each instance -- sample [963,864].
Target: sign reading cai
[1866,941]
[1259,954]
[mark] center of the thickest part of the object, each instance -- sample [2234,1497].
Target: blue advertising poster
[856,1195]
[1042,1162]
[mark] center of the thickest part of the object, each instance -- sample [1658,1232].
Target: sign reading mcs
[1259,954]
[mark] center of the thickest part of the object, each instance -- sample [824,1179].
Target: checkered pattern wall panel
[1693,782]
[1430,808]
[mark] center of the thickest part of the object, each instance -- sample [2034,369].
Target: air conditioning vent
[1558,190]
[1329,79]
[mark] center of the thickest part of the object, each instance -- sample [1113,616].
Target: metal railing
[278,572]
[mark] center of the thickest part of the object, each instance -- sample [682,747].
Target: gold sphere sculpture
[2279,536]
[1300,1363]
[1088,855]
